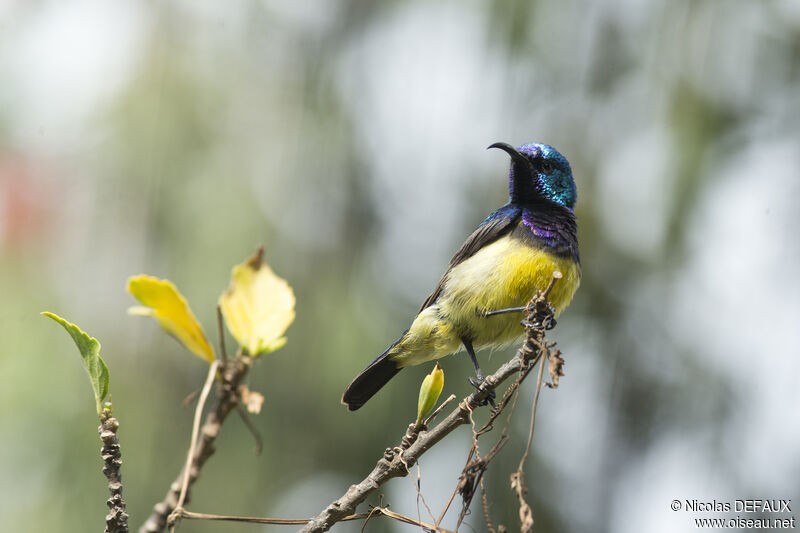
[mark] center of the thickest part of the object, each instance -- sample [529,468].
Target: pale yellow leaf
[258,307]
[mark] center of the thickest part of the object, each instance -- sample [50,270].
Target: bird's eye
[547,168]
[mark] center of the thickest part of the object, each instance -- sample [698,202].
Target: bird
[512,254]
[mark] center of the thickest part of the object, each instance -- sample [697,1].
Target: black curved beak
[510,150]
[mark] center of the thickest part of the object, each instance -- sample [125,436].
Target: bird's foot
[491,395]
[546,320]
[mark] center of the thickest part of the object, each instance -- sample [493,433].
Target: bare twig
[223,353]
[198,415]
[190,397]
[438,410]
[455,490]
[259,520]
[485,501]
[375,511]
[472,473]
[408,520]
[252,429]
[533,415]
[117,517]
[472,476]
[226,400]
[420,497]
[518,477]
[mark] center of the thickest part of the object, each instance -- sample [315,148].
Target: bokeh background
[172,138]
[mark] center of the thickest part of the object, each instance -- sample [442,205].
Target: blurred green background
[172,138]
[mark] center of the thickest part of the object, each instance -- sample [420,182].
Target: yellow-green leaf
[258,306]
[164,303]
[429,392]
[89,348]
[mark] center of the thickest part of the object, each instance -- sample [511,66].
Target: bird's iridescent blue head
[539,170]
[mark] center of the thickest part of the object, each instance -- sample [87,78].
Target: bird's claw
[546,321]
[491,395]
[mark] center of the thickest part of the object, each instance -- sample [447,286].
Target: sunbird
[512,254]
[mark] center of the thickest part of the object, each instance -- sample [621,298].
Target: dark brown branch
[117,517]
[227,399]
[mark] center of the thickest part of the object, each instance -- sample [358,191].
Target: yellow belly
[506,273]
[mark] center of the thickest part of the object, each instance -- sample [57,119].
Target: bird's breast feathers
[506,273]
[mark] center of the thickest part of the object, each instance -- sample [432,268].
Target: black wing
[498,224]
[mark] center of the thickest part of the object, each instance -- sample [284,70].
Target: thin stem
[223,353]
[533,414]
[198,416]
[259,520]
[438,410]
[253,430]
[226,400]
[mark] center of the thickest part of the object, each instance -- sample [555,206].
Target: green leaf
[89,348]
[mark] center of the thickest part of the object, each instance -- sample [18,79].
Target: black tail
[370,380]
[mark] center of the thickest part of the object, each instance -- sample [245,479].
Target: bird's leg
[480,379]
[471,352]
